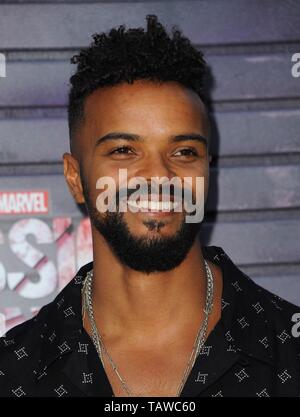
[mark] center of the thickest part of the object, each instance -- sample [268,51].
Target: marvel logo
[23,202]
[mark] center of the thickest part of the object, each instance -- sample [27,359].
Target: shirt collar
[60,322]
[242,301]
[235,333]
[235,338]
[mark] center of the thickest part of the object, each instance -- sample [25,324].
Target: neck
[143,306]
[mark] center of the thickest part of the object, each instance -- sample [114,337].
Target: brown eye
[187,152]
[121,150]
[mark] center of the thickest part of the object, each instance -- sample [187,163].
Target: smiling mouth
[154,206]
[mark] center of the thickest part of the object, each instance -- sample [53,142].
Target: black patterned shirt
[253,350]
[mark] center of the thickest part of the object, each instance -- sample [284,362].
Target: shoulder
[278,310]
[283,315]
[20,350]
[281,318]
[263,309]
[28,348]
[25,336]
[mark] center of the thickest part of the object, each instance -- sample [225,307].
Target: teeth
[154,205]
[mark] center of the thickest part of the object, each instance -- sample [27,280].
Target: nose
[158,174]
[155,166]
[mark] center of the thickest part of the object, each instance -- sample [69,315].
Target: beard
[145,254]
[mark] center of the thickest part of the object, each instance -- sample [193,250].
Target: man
[156,313]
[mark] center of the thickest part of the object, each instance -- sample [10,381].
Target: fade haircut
[134,54]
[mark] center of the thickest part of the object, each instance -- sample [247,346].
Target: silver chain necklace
[87,305]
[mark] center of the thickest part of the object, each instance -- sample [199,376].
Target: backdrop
[253,208]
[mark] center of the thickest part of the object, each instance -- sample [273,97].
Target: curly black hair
[132,54]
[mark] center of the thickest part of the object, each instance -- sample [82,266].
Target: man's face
[152,119]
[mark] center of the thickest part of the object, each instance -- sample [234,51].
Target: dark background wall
[253,209]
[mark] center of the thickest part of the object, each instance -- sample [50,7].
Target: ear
[72,176]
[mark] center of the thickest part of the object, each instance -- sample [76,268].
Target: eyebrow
[136,138]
